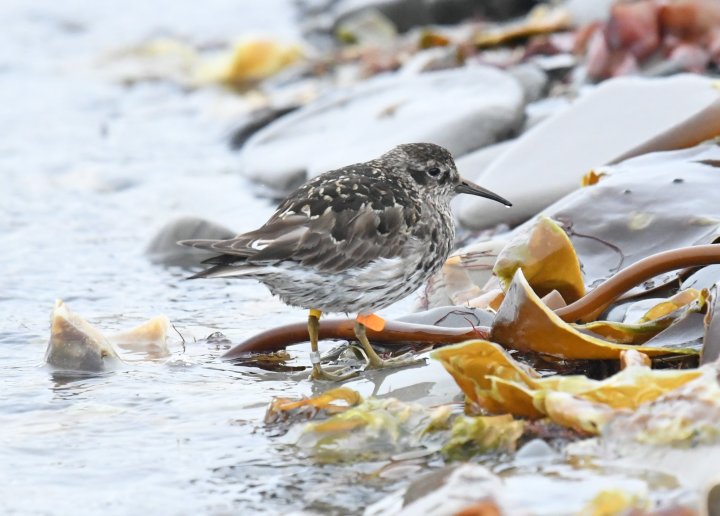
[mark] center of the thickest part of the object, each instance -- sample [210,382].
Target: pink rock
[691,58]
[635,28]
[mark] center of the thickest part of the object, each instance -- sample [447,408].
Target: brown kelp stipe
[393,332]
[396,332]
[639,272]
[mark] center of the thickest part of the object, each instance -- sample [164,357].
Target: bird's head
[432,168]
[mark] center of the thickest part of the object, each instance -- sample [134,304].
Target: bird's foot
[404,360]
[318,373]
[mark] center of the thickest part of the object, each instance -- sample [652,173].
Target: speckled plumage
[355,239]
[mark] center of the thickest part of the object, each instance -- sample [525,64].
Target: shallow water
[91,169]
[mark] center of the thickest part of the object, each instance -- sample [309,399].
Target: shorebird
[353,240]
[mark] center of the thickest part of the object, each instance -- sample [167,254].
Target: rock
[474,163]
[463,109]
[164,249]
[367,27]
[532,78]
[549,161]
[444,492]
[406,14]
[431,60]
[535,451]
[587,11]
[256,121]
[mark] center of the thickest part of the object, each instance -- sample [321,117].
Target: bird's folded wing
[336,241]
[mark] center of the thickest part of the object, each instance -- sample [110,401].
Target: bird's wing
[346,218]
[336,241]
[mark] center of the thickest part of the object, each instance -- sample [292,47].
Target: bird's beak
[471,188]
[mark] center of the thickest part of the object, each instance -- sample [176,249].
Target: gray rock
[431,60]
[474,163]
[443,492]
[255,121]
[406,14]
[532,78]
[536,450]
[164,249]
[549,161]
[463,109]
[583,12]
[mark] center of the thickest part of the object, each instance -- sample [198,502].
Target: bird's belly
[362,290]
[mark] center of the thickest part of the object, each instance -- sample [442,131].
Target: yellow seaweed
[327,401]
[482,434]
[574,412]
[524,323]
[540,20]
[473,365]
[548,261]
[490,378]
[610,502]
[655,320]
[380,427]
[251,60]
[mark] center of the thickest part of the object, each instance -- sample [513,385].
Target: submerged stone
[164,249]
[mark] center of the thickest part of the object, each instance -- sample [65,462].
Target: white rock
[549,161]
[462,109]
[443,492]
[588,11]
[532,78]
[536,450]
[475,163]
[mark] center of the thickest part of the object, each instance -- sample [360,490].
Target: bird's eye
[434,171]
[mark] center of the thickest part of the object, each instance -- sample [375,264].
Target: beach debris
[331,402]
[344,427]
[547,259]
[525,323]
[76,345]
[496,383]
[476,435]
[249,61]
[542,19]
[643,206]
[245,64]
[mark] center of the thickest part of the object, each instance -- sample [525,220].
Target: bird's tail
[199,243]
